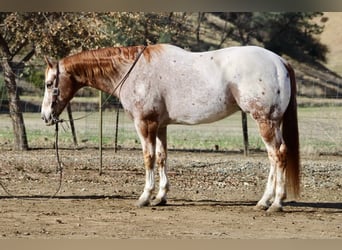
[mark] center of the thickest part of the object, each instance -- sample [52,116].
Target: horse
[163,84]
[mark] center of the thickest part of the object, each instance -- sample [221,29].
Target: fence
[320,124]
[320,132]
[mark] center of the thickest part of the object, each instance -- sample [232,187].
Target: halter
[55,94]
[55,89]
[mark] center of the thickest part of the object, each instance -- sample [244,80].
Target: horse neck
[108,82]
[99,70]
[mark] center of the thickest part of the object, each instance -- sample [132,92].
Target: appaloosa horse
[162,84]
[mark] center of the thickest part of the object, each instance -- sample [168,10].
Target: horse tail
[291,138]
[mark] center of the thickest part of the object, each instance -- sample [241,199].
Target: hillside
[332,36]
[324,80]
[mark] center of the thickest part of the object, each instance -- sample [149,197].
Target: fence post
[72,125]
[116,129]
[100,131]
[245,133]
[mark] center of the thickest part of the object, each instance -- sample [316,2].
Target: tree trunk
[20,138]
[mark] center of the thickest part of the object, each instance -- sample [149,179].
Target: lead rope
[59,168]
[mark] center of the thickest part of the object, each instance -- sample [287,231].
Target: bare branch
[28,56]
[4,47]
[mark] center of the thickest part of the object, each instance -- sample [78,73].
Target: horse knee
[149,160]
[161,159]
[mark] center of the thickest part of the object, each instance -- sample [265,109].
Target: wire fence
[320,125]
[320,132]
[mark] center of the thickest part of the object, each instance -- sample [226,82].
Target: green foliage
[34,76]
[132,28]
[53,33]
[291,33]
[243,26]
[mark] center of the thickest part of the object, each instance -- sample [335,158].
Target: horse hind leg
[265,202]
[161,156]
[276,183]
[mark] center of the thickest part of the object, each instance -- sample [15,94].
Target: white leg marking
[145,197]
[161,154]
[264,202]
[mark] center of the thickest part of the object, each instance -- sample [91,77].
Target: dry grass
[332,37]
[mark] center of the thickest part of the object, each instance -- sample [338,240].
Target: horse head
[59,89]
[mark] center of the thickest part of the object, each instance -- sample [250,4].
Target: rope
[59,163]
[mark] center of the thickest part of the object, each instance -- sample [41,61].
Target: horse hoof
[142,203]
[260,207]
[274,209]
[159,202]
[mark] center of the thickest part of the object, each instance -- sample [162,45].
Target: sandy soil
[212,197]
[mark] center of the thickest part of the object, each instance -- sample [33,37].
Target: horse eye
[49,84]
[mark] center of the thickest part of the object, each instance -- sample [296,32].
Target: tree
[24,34]
[132,28]
[293,34]
[242,27]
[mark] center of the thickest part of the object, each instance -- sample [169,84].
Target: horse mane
[103,63]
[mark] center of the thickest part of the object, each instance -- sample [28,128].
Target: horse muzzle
[49,121]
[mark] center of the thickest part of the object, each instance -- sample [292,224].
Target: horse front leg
[161,156]
[147,132]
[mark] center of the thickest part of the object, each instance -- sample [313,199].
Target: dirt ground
[212,197]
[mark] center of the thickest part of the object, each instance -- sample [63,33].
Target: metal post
[72,125]
[100,131]
[245,133]
[116,129]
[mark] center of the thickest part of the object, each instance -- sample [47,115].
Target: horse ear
[48,62]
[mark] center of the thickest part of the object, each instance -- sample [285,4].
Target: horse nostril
[44,118]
